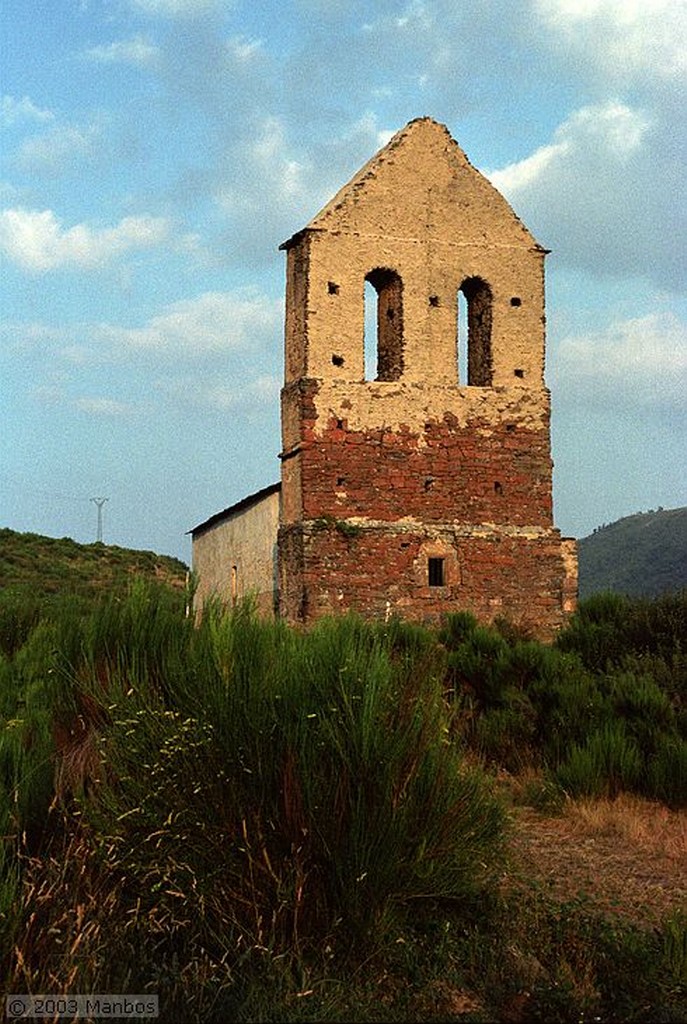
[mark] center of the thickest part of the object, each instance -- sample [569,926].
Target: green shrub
[250,814]
[20,612]
[27,747]
[667,771]
[596,707]
[598,631]
[456,628]
[607,628]
[568,711]
[291,785]
[608,762]
[504,735]
[476,664]
[644,709]
[674,947]
[10,902]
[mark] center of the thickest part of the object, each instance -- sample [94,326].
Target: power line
[35,492]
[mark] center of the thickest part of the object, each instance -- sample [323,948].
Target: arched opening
[474,333]
[383,325]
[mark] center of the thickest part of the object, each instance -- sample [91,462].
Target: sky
[155,153]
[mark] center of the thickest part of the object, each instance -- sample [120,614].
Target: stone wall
[378,569]
[438,456]
[235,554]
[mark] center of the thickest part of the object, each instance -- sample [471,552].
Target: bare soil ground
[627,856]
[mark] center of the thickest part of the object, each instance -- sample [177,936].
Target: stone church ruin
[426,488]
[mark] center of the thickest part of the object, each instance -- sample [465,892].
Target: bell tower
[428,488]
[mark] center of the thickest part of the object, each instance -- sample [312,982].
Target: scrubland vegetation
[263,824]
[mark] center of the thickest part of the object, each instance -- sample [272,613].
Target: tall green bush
[606,707]
[608,762]
[273,787]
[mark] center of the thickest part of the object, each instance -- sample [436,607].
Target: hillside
[46,566]
[642,555]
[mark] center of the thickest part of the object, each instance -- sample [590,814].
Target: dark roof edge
[239,506]
[296,238]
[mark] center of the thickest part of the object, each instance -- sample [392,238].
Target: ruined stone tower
[428,488]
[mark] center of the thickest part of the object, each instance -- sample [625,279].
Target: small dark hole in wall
[332,288]
[435,572]
[339,360]
[434,300]
[498,488]
[340,481]
[510,427]
[339,425]
[429,483]
[516,301]
[390,313]
[519,373]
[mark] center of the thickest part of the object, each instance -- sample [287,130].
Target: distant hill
[45,566]
[643,555]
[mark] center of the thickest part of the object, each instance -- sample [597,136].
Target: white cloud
[613,128]
[15,111]
[269,187]
[604,193]
[243,321]
[138,51]
[641,361]
[212,322]
[50,152]
[623,38]
[102,406]
[247,395]
[179,8]
[8,192]
[263,173]
[36,240]
[416,16]
[520,175]
[244,49]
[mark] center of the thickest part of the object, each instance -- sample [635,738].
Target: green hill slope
[44,566]
[643,555]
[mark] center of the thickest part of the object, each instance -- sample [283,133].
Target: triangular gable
[421,184]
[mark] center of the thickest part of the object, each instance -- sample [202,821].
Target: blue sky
[155,153]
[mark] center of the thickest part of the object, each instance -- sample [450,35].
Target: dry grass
[644,824]
[628,856]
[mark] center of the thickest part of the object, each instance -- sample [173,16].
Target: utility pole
[99,502]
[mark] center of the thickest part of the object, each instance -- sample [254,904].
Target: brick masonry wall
[460,460]
[381,569]
[475,473]
[379,496]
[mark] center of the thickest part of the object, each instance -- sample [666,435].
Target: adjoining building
[427,488]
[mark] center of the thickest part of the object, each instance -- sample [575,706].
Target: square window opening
[436,572]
